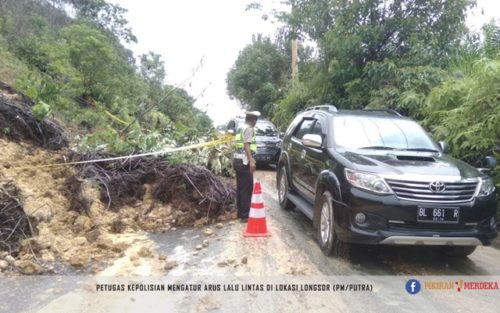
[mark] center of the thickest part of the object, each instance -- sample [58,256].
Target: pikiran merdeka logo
[413,286]
[460,285]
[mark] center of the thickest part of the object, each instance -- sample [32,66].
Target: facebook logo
[413,286]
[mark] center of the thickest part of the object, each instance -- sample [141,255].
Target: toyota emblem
[437,187]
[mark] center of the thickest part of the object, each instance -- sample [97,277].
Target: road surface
[290,257]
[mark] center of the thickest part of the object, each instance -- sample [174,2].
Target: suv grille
[421,191]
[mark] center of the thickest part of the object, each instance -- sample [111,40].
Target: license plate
[438,215]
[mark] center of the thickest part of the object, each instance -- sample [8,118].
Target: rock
[221,218]
[231,223]
[205,243]
[222,264]
[93,235]
[173,228]
[48,257]
[43,215]
[208,232]
[117,226]
[3,254]
[134,258]
[162,257]
[79,241]
[35,244]
[28,267]
[170,265]
[3,265]
[106,244]
[95,269]
[244,260]
[82,224]
[78,260]
[195,253]
[10,259]
[145,252]
[219,225]
[120,248]
[199,247]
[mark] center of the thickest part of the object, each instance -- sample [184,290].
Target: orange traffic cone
[257,226]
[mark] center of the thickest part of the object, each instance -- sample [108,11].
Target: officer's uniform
[241,164]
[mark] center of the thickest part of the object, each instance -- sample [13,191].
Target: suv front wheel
[283,190]
[327,238]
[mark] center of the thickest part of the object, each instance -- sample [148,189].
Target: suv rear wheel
[283,190]
[327,238]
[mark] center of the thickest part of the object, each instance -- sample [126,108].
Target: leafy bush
[41,110]
[465,111]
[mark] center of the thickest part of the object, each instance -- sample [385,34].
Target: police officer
[244,164]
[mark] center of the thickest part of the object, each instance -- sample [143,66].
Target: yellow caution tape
[132,156]
[115,117]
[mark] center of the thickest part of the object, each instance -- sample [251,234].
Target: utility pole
[295,64]
[295,47]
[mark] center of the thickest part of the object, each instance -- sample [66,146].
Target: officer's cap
[255,114]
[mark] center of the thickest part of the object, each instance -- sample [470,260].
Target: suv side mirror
[445,147]
[312,140]
[491,162]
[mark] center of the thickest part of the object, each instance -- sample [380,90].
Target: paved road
[290,256]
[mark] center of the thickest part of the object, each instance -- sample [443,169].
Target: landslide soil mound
[78,215]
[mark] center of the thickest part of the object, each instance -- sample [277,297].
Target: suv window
[317,129]
[304,128]
[354,132]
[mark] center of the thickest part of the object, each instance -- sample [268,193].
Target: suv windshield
[266,129]
[368,132]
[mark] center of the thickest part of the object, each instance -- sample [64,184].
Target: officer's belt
[239,156]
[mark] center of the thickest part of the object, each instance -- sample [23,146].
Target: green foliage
[466,111]
[413,56]
[217,159]
[108,17]
[298,97]
[491,39]
[41,110]
[105,74]
[77,70]
[258,76]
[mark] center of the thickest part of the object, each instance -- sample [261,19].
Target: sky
[199,41]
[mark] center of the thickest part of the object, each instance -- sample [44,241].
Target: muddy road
[220,255]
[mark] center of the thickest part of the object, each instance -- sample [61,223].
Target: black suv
[376,177]
[267,137]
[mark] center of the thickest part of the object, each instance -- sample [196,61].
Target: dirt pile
[88,215]
[193,195]
[17,122]
[14,223]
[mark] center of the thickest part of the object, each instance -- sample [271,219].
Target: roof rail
[388,111]
[326,107]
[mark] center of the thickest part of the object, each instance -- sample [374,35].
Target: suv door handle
[303,154]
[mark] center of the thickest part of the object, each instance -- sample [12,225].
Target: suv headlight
[371,182]
[486,188]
